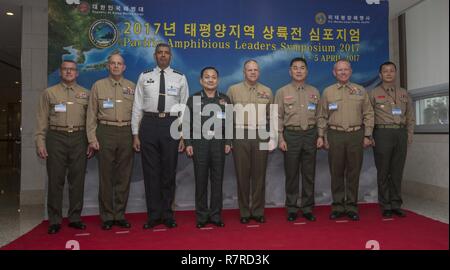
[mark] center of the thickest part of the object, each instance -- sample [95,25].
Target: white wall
[34,78]
[427,30]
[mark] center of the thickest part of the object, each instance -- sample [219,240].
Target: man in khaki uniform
[61,140]
[346,119]
[297,138]
[109,133]
[250,160]
[394,128]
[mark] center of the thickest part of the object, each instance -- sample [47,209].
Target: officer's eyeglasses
[68,69]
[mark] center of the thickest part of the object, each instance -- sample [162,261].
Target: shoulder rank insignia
[147,71]
[177,72]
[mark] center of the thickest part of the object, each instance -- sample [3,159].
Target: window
[431,105]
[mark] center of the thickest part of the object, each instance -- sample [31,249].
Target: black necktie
[162,93]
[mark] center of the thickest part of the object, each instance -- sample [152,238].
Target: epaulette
[177,72]
[147,71]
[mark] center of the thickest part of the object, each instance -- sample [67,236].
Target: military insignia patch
[82,95]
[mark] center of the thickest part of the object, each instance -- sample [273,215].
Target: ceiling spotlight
[16,82]
[9,13]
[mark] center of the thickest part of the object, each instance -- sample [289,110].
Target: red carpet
[410,233]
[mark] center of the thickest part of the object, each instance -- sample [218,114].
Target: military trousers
[345,157]
[159,163]
[250,162]
[209,161]
[66,158]
[390,156]
[300,156]
[115,164]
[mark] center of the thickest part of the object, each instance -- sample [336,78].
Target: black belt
[389,126]
[159,115]
[297,128]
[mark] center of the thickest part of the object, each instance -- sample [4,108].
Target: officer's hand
[319,143]
[326,145]
[136,143]
[367,142]
[272,145]
[227,149]
[181,146]
[94,146]
[189,151]
[373,142]
[42,152]
[410,140]
[283,146]
[90,152]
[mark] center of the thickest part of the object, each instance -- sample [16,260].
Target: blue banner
[221,33]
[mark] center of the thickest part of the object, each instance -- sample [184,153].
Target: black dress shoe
[218,223]
[170,223]
[201,224]
[259,219]
[52,229]
[77,225]
[353,215]
[309,216]
[244,220]
[387,213]
[398,212]
[122,223]
[151,223]
[336,214]
[107,225]
[292,217]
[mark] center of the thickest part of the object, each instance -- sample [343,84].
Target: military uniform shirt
[147,93]
[386,101]
[244,94]
[61,106]
[345,106]
[219,99]
[297,106]
[111,101]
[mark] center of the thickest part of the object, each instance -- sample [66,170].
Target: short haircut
[162,45]
[250,60]
[387,63]
[298,59]
[69,61]
[208,68]
[115,53]
[342,60]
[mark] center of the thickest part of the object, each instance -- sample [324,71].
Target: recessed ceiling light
[9,13]
[16,82]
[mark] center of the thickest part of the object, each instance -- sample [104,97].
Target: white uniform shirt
[147,93]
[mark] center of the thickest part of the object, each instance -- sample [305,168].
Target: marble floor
[15,220]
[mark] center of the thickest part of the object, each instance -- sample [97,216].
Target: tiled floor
[15,220]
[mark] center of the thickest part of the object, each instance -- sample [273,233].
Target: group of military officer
[117,116]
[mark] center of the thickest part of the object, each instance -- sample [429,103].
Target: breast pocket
[128,103]
[356,101]
[149,90]
[289,107]
[82,103]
